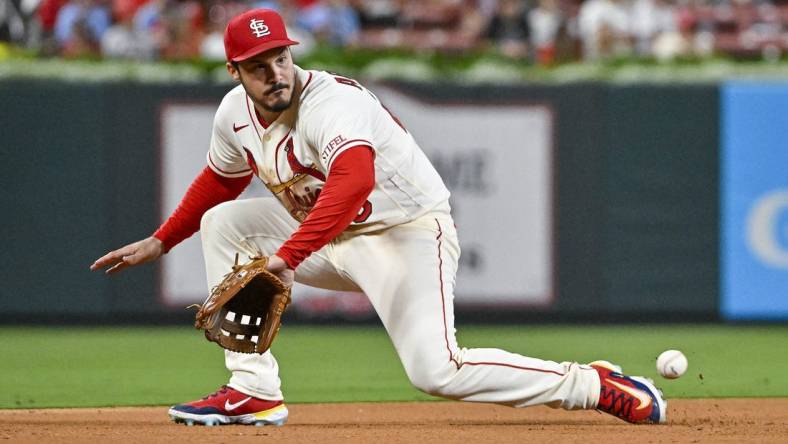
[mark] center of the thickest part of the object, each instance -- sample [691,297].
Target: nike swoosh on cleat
[237,128]
[228,406]
[644,399]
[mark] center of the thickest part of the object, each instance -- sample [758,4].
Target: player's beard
[277,106]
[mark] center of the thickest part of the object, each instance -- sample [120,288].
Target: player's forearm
[349,183]
[208,190]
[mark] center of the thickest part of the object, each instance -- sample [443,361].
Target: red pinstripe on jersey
[252,118]
[276,155]
[307,82]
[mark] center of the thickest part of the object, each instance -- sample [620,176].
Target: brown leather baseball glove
[243,313]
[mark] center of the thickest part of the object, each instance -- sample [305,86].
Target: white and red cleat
[229,406]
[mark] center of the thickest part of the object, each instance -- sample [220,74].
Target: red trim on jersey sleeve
[339,149]
[208,190]
[350,182]
[219,170]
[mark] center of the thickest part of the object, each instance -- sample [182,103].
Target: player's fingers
[111,258]
[117,267]
[103,261]
[135,259]
[97,265]
[276,264]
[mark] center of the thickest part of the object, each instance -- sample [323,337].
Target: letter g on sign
[765,227]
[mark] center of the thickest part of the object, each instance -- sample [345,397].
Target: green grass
[76,367]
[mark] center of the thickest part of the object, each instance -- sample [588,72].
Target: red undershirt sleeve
[208,190]
[349,183]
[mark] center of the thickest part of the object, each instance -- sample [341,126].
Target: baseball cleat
[229,406]
[634,399]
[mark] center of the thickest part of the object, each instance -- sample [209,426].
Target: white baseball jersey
[294,154]
[408,270]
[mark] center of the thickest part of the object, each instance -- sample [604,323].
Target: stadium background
[660,194]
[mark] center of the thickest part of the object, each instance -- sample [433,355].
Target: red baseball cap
[253,32]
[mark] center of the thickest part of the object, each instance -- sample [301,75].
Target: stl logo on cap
[259,28]
[241,44]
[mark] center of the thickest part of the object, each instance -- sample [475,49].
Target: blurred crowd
[538,31]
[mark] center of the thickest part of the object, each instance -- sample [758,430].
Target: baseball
[671,364]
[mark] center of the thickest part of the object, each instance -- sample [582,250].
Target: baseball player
[357,207]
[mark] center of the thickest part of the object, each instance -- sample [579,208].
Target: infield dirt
[701,420]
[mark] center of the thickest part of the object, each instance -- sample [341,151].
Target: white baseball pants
[408,273]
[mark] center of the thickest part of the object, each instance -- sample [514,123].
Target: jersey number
[351,82]
[348,82]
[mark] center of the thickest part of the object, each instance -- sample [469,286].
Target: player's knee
[215,218]
[434,380]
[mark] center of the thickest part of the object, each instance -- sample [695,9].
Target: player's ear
[232,68]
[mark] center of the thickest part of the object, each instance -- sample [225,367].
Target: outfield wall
[754,201]
[606,206]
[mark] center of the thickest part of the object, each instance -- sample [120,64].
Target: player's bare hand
[139,252]
[277,266]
